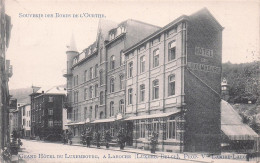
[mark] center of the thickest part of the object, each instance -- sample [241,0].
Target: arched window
[121,82]
[112,62]
[156,58]
[96,70]
[122,106]
[91,73]
[155,89]
[96,90]
[172,50]
[101,77]
[101,98]
[96,111]
[90,112]
[130,69]
[142,92]
[111,108]
[101,115]
[90,92]
[130,96]
[142,64]
[85,113]
[122,58]
[171,85]
[112,85]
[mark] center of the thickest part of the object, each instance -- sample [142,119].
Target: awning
[158,115]
[232,125]
[239,132]
[104,120]
[78,123]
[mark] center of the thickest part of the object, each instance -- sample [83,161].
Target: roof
[72,45]
[157,115]
[104,120]
[232,125]
[181,18]
[51,91]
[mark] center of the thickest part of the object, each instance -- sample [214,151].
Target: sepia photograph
[129,81]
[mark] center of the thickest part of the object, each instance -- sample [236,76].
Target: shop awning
[239,132]
[104,120]
[158,115]
[232,125]
[78,123]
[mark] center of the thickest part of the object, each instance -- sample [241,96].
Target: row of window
[156,62]
[101,114]
[155,90]
[26,123]
[93,91]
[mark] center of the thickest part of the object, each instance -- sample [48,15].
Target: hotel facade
[143,79]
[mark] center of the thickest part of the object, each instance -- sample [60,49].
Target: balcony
[68,105]
[65,73]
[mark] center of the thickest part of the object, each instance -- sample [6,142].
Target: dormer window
[172,31]
[156,41]
[112,36]
[142,48]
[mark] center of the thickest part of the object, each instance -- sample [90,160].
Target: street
[39,151]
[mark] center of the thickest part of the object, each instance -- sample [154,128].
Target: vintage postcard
[130,81]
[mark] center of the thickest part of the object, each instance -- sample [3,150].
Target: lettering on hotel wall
[202,67]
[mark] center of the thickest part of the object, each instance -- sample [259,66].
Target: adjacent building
[46,113]
[5,74]
[143,79]
[25,120]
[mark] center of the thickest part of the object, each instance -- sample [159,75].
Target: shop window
[171,129]
[142,129]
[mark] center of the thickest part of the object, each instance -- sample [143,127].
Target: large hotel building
[142,78]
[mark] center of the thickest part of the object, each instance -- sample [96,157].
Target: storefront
[168,126]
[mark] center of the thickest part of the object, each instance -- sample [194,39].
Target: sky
[37,47]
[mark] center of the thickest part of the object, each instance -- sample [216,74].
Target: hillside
[243,80]
[22,94]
